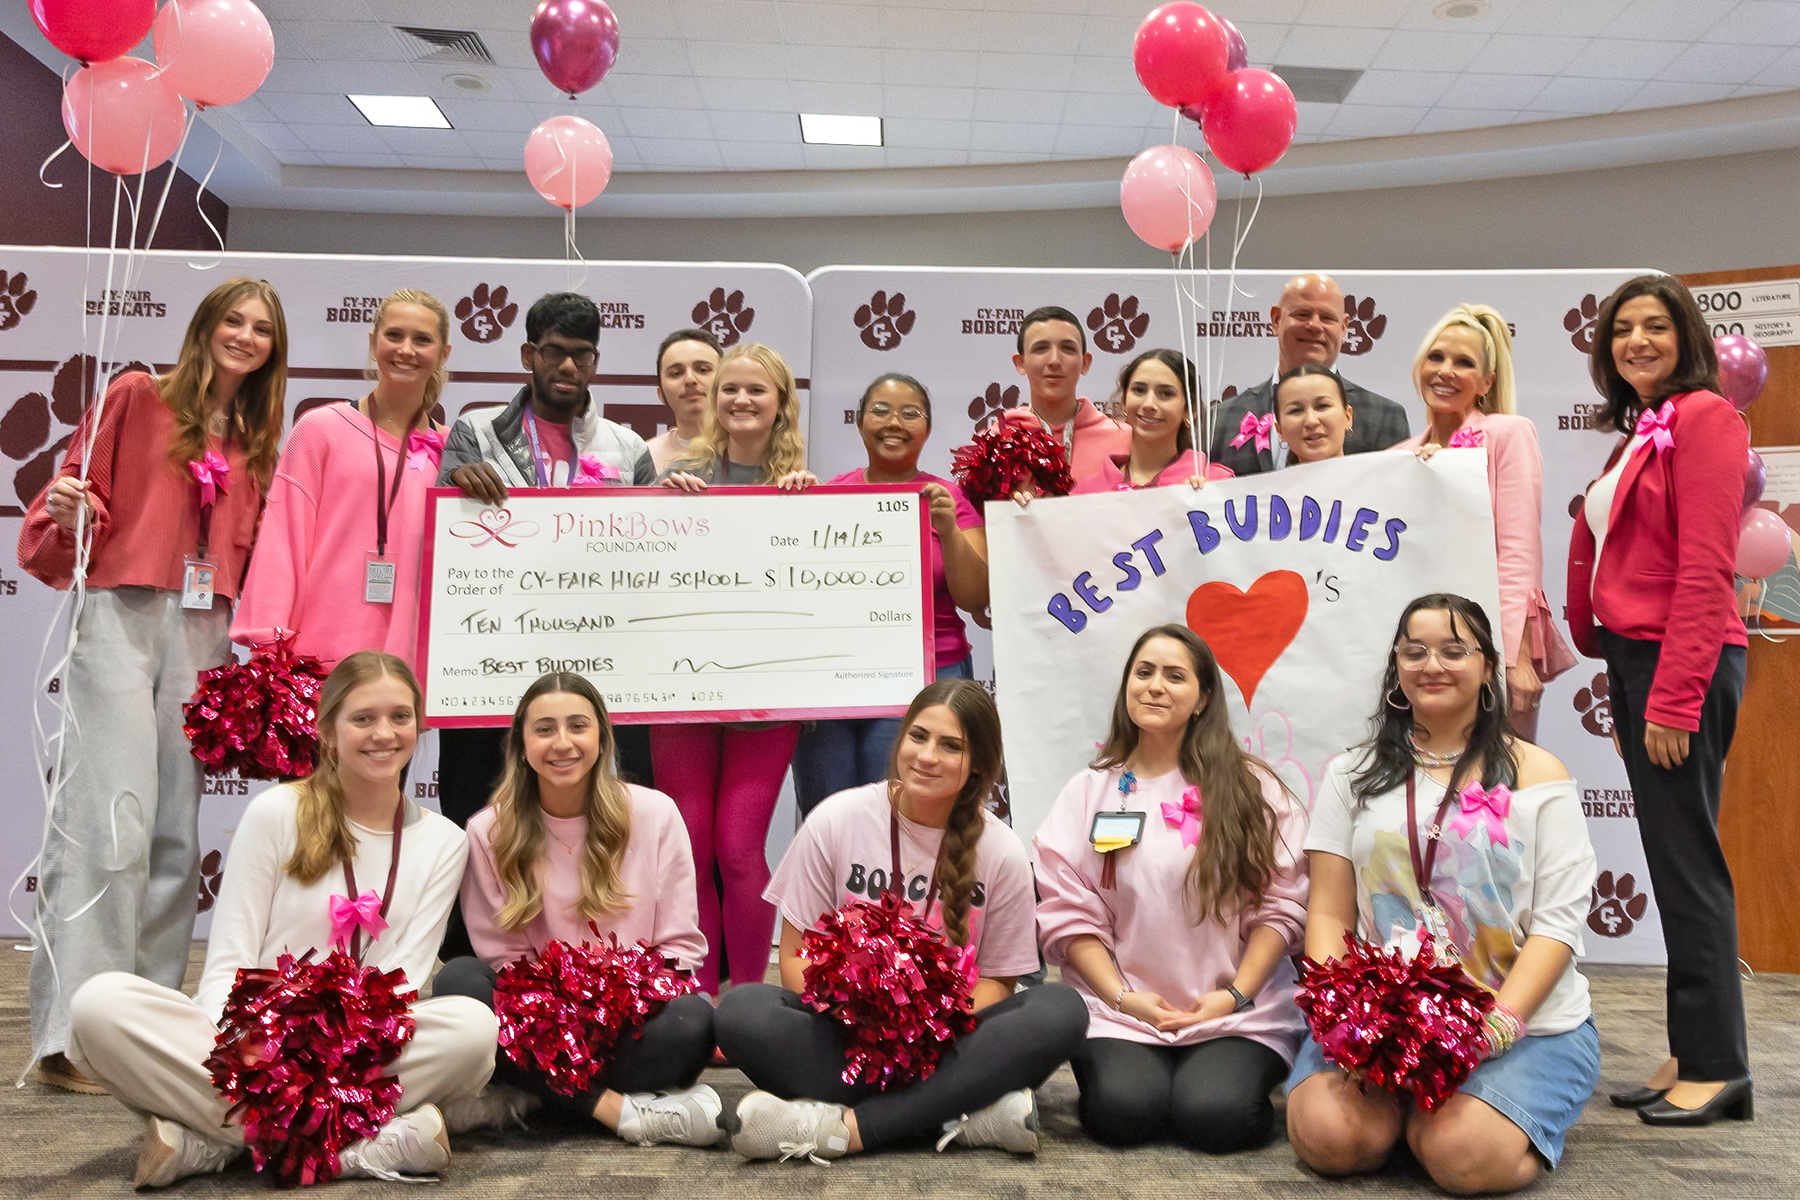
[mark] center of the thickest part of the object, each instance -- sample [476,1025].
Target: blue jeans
[834,756]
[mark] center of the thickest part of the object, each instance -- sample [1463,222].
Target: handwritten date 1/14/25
[836,537]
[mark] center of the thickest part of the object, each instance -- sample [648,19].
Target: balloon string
[169,182]
[1240,235]
[199,195]
[54,155]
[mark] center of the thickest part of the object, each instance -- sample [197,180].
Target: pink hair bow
[424,450]
[211,470]
[1465,438]
[594,473]
[1483,808]
[1656,424]
[1185,816]
[1253,426]
[348,915]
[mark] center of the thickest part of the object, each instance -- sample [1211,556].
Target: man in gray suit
[1309,326]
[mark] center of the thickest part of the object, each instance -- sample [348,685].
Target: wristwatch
[1242,1001]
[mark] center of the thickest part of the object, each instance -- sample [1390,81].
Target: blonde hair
[519,836]
[323,838]
[257,410]
[787,448]
[1496,349]
[434,387]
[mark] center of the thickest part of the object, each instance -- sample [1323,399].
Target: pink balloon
[1168,197]
[1756,477]
[1764,543]
[123,116]
[1237,52]
[1251,121]
[94,30]
[576,42]
[1180,54]
[214,51]
[1743,369]
[568,161]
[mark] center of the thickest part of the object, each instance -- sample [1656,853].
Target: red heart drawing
[1248,630]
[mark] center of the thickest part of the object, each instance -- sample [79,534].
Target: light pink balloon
[1743,369]
[1168,197]
[213,51]
[1250,122]
[1764,543]
[568,161]
[123,115]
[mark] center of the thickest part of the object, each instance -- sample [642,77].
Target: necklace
[568,848]
[1429,759]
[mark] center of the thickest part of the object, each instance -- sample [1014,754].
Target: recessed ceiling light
[468,83]
[405,112]
[1460,10]
[825,129]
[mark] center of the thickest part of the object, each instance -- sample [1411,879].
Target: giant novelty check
[740,604]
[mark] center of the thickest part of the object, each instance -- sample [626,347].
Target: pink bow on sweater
[1465,438]
[1483,808]
[1658,425]
[348,915]
[1185,816]
[1253,426]
[210,470]
[594,473]
[424,450]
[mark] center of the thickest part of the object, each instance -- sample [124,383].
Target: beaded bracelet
[1504,1028]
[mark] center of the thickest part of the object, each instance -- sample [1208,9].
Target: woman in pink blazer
[1464,374]
[1651,590]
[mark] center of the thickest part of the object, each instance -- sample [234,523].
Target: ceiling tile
[1096,108]
[850,98]
[1026,139]
[343,41]
[1611,58]
[1115,75]
[1026,70]
[853,65]
[1539,55]
[1313,118]
[1353,13]
[738,60]
[487,115]
[931,68]
[731,126]
[459,163]
[1431,50]
[1493,91]
[747,95]
[1110,35]
[1373,120]
[1239,12]
[1418,89]
[510,146]
[654,56]
[335,139]
[748,20]
[1315,47]
[940,29]
[947,103]
[841,158]
[1038,32]
[918,133]
[660,154]
[762,156]
[829,25]
[1583,95]
[1711,63]
[1758,24]
[1661,93]
[1019,106]
[278,138]
[1441,119]
[667,123]
[640,91]
[296,109]
[1559,17]
[1666,20]
[1100,141]
[1783,72]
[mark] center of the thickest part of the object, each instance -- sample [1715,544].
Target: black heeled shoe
[1734,1101]
[1638,1097]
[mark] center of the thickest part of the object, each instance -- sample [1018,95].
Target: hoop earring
[1487,697]
[1402,704]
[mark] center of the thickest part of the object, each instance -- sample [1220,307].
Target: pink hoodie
[1096,435]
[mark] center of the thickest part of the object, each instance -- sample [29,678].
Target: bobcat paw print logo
[884,320]
[1615,905]
[986,408]
[1117,324]
[485,314]
[16,300]
[1595,707]
[34,419]
[725,317]
[1363,327]
[1579,321]
[212,875]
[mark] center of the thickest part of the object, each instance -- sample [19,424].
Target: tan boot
[57,1071]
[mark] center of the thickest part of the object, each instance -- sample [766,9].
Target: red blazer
[1666,574]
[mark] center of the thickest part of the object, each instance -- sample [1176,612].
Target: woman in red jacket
[1651,591]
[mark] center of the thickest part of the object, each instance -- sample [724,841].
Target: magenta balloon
[1764,543]
[576,42]
[94,30]
[1180,54]
[1756,477]
[123,116]
[1743,369]
[1237,53]
[214,51]
[1250,123]
[1168,197]
[568,161]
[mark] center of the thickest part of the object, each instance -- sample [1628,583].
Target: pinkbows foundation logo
[494,525]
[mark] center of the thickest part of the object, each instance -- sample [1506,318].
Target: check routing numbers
[679,606]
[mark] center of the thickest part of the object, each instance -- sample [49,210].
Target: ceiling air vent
[444,45]
[1318,85]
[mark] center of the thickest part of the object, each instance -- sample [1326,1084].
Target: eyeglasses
[554,356]
[1414,655]
[881,411]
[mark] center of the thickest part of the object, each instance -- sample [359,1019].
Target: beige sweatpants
[148,1043]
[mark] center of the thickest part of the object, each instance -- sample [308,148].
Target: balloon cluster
[1764,539]
[1194,61]
[125,114]
[567,159]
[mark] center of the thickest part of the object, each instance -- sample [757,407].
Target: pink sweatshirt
[1144,920]
[318,533]
[658,872]
[1096,435]
[1111,475]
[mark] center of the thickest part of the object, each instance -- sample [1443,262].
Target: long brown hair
[257,412]
[1236,856]
[518,836]
[974,710]
[323,838]
[434,387]
[787,447]
[1696,369]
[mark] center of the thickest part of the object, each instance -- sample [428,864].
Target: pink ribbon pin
[1658,426]
[1253,426]
[424,450]
[1185,816]
[210,470]
[1465,438]
[1483,808]
[594,473]
[347,916]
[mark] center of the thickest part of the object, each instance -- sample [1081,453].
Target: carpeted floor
[63,1145]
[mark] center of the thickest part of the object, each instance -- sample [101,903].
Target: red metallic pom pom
[1005,456]
[900,991]
[1410,1025]
[258,718]
[301,1057]
[565,1013]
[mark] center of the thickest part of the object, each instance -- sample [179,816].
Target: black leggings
[669,1052]
[1212,1096]
[788,1049]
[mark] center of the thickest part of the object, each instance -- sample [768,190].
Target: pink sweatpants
[725,781]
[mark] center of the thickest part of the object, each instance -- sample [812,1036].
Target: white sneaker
[689,1117]
[494,1107]
[411,1145]
[765,1126]
[1009,1123]
[172,1151]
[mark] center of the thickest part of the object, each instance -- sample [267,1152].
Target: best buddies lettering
[752,605]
